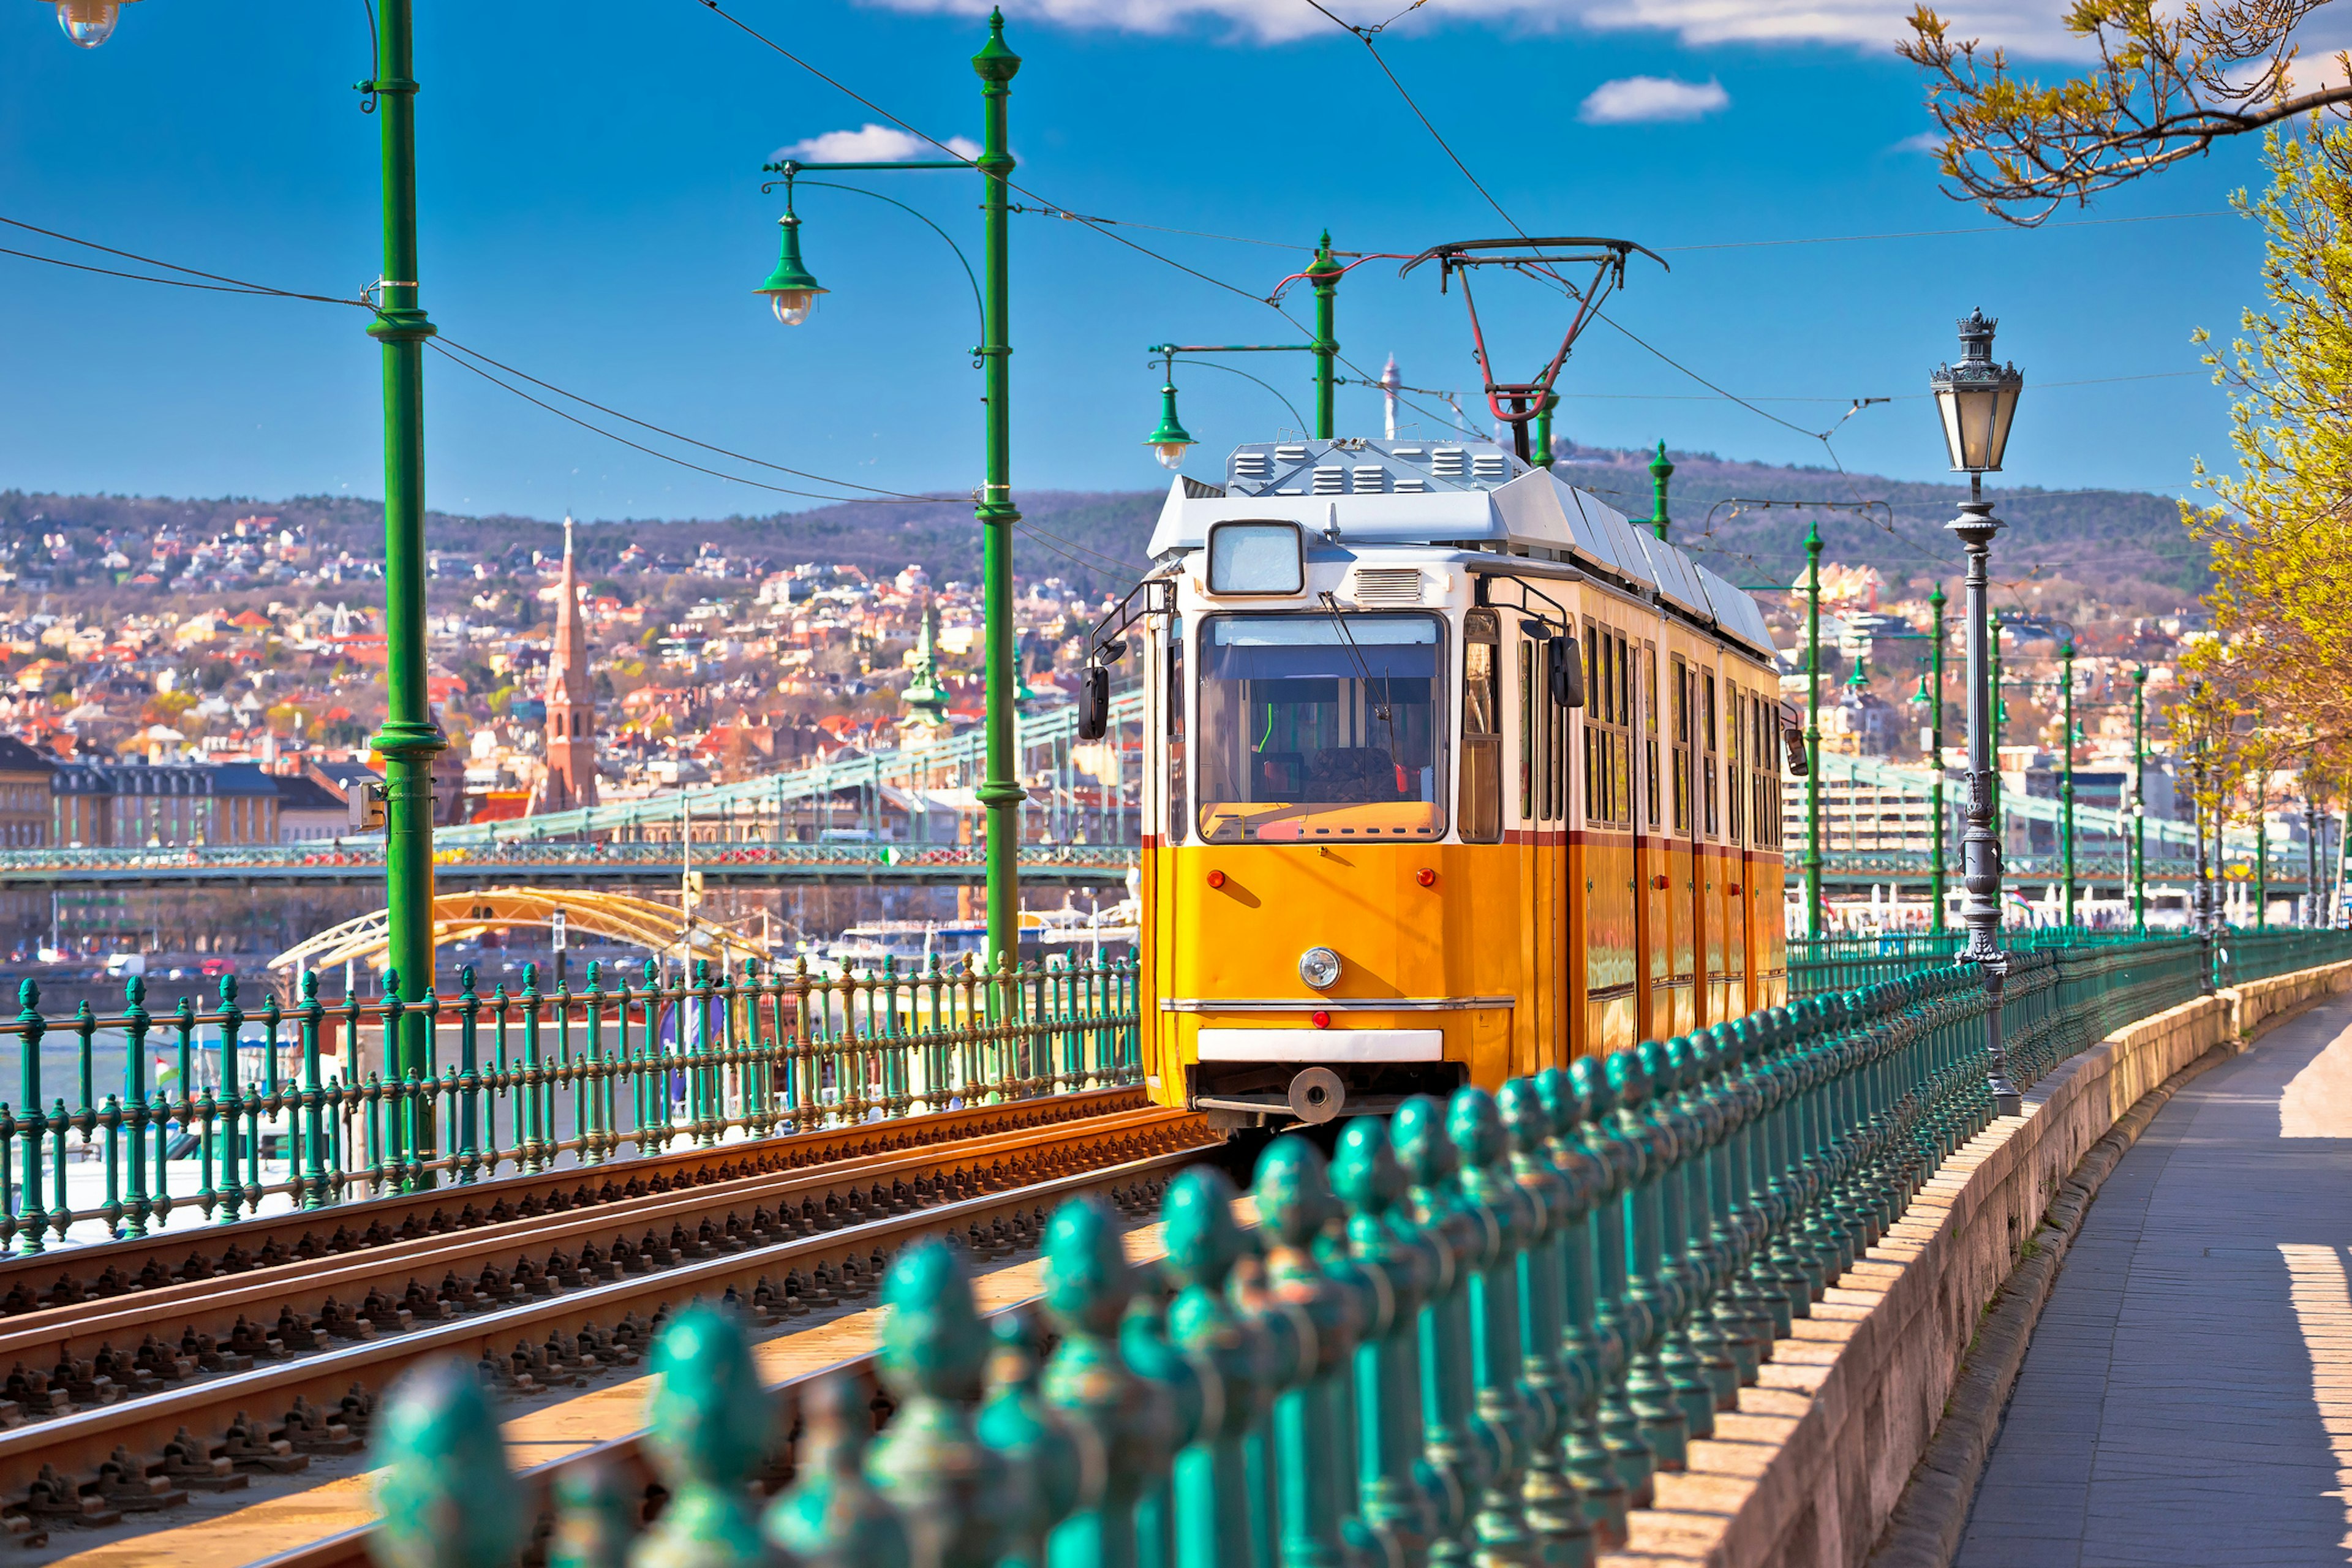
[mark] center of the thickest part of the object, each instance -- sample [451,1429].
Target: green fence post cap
[446,1497]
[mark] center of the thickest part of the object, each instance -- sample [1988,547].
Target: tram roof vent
[1489,466]
[1291,452]
[1448,462]
[1330,479]
[1371,478]
[1252,464]
[1384,587]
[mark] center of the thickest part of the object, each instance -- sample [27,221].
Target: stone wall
[1808,1469]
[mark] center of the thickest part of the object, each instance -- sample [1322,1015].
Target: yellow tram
[1455,774]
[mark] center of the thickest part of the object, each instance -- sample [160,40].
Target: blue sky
[591,213]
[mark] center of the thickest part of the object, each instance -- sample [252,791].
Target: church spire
[570,780]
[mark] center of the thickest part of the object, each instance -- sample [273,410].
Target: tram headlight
[1319,967]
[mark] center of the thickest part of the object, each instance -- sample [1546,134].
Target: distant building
[570,779]
[106,805]
[308,810]
[26,816]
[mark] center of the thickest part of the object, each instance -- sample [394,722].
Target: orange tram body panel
[1459,775]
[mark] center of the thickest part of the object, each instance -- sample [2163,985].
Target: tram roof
[1472,495]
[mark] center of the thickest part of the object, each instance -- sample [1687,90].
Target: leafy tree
[2281,534]
[2166,87]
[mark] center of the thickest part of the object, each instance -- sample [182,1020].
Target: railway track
[69,1276]
[198,1384]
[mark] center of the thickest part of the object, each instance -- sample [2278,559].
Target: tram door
[1545,862]
[1735,859]
[1684,866]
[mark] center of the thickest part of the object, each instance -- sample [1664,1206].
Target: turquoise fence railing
[222,1110]
[1477,1336]
[1842,962]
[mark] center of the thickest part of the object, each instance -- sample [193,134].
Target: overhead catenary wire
[217,282]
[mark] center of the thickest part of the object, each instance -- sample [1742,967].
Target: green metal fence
[1838,964]
[223,1109]
[1476,1336]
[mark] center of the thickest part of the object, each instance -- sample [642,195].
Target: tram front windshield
[1316,726]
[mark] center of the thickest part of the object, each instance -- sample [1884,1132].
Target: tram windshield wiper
[1385,712]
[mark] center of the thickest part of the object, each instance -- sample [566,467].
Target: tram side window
[1764,772]
[1735,770]
[1620,738]
[1595,688]
[1555,786]
[1706,737]
[1679,692]
[1179,810]
[1649,693]
[1482,727]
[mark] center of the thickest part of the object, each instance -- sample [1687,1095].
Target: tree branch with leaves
[2165,88]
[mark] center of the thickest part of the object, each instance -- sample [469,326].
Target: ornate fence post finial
[833,1517]
[1392,1501]
[594,1517]
[1211,1486]
[447,1496]
[709,1426]
[1041,1458]
[1121,1417]
[950,1486]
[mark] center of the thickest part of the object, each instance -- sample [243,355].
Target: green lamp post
[1542,456]
[1936,762]
[2066,787]
[1813,731]
[410,738]
[1324,272]
[1661,471]
[792,292]
[2139,801]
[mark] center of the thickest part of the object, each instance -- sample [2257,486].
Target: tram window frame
[1172,731]
[1590,727]
[1678,691]
[1529,708]
[1648,693]
[1735,769]
[1710,808]
[1621,745]
[1478,805]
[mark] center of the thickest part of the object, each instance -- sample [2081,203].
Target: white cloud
[2030,29]
[1640,100]
[872,145]
[1929,141]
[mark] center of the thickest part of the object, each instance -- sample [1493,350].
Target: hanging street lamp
[1171,441]
[88,23]
[1977,400]
[792,292]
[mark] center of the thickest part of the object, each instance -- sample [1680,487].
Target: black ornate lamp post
[1977,399]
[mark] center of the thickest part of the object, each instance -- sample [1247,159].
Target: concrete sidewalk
[2187,1395]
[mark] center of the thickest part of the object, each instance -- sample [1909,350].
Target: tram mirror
[1112,651]
[1793,741]
[1566,671]
[1267,558]
[1094,702]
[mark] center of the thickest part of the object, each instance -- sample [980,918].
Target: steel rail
[347,1227]
[81,1468]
